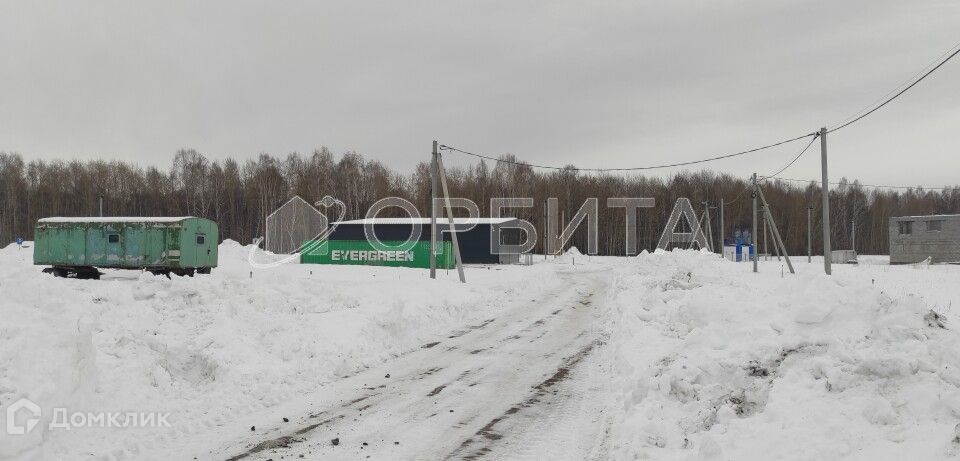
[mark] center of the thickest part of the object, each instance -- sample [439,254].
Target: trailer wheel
[56,271]
[86,273]
[203,270]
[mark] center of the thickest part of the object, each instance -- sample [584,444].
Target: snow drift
[714,362]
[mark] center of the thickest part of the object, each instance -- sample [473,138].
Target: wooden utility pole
[825,193]
[433,212]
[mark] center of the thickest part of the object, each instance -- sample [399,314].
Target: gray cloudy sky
[595,84]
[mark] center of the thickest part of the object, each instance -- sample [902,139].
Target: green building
[361,252]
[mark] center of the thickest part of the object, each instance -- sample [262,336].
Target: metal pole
[709,234]
[545,226]
[721,227]
[770,223]
[825,194]
[563,226]
[101,205]
[433,212]
[809,234]
[753,237]
[703,225]
[710,228]
[453,233]
[763,216]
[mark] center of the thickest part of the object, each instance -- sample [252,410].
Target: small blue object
[743,252]
[19,241]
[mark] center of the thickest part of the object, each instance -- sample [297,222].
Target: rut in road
[466,396]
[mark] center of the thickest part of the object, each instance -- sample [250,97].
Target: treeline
[239,195]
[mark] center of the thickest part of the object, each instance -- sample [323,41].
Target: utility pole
[825,193]
[809,235]
[702,225]
[433,212]
[453,230]
[709,233]
[563,225]
[545,218]
[721,227]
[101,204]
[766,249]
[778,241]
[753,237]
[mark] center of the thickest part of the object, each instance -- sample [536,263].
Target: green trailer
[361,252]
[164,245]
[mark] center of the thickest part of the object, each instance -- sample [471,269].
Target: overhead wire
[901,85]
[895,96]
[788,165]
[735,199]
[649,167]
[863,114]
[876,186]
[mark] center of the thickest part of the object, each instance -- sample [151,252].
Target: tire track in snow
[454,395]
[540,391]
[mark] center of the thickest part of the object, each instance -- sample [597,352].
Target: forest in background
[240,194]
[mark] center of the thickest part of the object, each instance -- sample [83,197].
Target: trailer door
[202,247]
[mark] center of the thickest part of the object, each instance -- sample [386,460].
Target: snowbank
[209,348]
[712,361]
[704,359]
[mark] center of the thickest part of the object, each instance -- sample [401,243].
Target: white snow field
[671,355]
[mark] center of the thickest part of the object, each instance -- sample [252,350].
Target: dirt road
[520,385]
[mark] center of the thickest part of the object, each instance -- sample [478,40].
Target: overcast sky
[592,83]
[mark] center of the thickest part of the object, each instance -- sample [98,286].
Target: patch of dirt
[935,320]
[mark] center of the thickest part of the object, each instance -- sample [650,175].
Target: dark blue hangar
[477,245]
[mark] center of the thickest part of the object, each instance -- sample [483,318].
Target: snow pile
[712,361]
[703,360]
[209,348]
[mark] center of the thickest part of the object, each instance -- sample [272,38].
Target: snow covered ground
[676,355]
[714,362]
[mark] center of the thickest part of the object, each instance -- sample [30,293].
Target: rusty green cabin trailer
[78,246]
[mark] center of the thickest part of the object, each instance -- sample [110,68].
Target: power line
[720,157]
[794,159]
[876,186]
[905,82]
[895,96]
[650,167]
[737,197]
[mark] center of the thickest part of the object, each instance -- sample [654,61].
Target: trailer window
[199,240]
[113,238]
[906,227]
[935,226]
